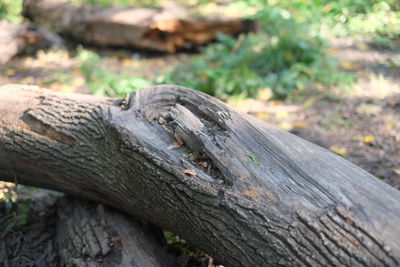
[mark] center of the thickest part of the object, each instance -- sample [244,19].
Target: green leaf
[255,159]
[8,206]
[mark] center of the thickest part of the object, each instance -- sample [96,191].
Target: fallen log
[96,235]
[20,38]
[167,30]
[241,190]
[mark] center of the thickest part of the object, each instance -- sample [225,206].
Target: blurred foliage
[288,54]
[16,211]
[178,246]
[283,57]
[10,10]
[104,82]
[370,18]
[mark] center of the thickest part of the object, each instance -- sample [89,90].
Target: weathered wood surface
[237,188]
[168,29]
[96,235]
[19,38]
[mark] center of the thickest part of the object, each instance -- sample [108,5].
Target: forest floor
[362,124]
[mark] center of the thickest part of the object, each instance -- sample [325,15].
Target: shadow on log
[166,30]
[235,187]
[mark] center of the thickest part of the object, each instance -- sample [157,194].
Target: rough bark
[19,38]
[241,190]
[167,30]
[96,235]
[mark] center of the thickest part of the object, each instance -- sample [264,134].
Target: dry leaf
[76,70]
[179,139]
[363,47]
[118,54]
[368,139]
[333,50]
[390,125]
[309,102]
[264,94]
[286,126]
[282,114]
[174,145]
[348,65]
[288,56]
[27,80]
[161,121]
[397,171]
[263,115]
[66,89]
[394,100]
[190,172]
[203,164]
[10,72]
[341,151]
[78,81]
[127,62]
[300,125]
[251,194]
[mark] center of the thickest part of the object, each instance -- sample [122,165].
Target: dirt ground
[362,125]
[365,123]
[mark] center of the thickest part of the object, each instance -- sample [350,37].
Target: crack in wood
[189,127]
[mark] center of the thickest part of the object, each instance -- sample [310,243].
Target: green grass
[290,53]
[285,56]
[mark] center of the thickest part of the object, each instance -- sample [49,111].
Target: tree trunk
[95,235]
[167,30]
[19,38]
[237,188]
